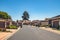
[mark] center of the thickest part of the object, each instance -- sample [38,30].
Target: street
[28,32]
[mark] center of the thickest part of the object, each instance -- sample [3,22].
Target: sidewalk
[6,35]
[50,29]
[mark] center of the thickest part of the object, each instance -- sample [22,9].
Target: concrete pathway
[6,35]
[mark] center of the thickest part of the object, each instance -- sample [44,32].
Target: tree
[4,15]
[25,15]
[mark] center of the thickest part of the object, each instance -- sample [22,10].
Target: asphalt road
[34,33]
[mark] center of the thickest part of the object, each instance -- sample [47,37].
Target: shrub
[58,27]
[0,29]
[49,25]
[43,25]
[3,30]
[12,27]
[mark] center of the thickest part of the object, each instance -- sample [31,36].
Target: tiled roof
[56,16]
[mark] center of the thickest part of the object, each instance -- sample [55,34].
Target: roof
[56,16]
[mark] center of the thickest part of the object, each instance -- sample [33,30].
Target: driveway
[28,32]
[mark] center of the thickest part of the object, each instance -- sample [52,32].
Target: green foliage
[43,25]
[48,25]
[58,27]
[4,15]
[25,15]
[12,27]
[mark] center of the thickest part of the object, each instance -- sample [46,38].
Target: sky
[37,9]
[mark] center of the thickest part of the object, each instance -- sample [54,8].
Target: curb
[8,36]
[50,30]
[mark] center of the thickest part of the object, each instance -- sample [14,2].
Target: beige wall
[44,23]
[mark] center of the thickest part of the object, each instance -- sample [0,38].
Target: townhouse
[53,22]
[4,23]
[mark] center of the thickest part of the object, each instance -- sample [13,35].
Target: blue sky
[37,9]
